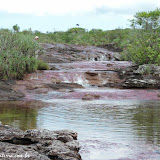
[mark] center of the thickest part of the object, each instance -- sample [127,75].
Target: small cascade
[100,57]
[102,80]
[73,77]
[80,79]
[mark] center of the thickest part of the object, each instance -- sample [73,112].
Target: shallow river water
[108,129]
[120,124]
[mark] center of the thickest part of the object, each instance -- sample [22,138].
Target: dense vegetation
[17,55]
[140,43]
[143,45]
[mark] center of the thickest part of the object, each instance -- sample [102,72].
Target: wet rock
[82,66]
[59,86]
[8,93]
[92,73]
[65,138]
[8,134]
[33,87]
[39,144]
[90,97]
[142,83]
[56,80]
[148,69]
[143,76]
[66,53]
[102,78]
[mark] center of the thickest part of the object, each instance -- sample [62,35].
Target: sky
[61,15]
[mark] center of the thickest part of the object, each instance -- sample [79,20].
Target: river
[112,123]
[107,128]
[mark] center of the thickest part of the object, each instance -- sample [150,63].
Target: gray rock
[10,151]
[142,83]
[143,76]
[73,145]
[8,93]
[38,144]
[55,53]
[148,69]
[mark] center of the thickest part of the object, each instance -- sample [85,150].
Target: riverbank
[74,66]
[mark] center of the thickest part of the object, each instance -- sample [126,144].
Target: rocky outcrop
[66,53]
[142,83]
[143,76]
[38,144]
[74,66]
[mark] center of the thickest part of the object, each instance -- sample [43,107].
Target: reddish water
[113,124]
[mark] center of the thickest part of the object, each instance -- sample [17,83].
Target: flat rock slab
[66,53]
[8,93]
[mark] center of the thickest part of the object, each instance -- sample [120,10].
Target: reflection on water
[121,119]
[108,127]
[147,118]
[22,115]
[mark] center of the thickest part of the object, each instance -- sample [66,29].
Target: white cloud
[74,7]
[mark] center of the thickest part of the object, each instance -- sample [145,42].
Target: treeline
[140,43]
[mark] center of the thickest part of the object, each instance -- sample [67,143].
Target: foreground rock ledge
[38,144]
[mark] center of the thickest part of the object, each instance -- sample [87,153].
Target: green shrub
[17,55]
[41,65]
[143,41]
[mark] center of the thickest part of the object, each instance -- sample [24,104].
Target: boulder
[90,96]
[38,144]
[148,69]
[142,83]
[145,76]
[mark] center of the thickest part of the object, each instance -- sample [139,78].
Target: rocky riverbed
[73,66]
[80,73]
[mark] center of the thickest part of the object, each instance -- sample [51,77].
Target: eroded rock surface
[38,144]
[65,53]
[143,76]
[73,67]
[114,74]
[8,93]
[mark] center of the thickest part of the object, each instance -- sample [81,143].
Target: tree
[16,28]
[146,20]
[143,43]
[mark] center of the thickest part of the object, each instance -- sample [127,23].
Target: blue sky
[60,15]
